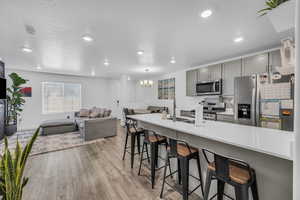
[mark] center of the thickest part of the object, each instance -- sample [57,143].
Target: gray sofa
[95,123]
[95,128]
[90,123]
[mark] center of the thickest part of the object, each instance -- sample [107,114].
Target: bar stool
[184,153]
[235,172]
[154,140]
[135,134]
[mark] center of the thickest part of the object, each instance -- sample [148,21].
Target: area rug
[46,144]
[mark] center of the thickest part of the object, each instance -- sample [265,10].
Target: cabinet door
[275,60]
[231,70]
[215,72]
[203,74]
[255,64]
[191,81]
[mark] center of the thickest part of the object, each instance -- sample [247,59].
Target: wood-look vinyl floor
[91,172]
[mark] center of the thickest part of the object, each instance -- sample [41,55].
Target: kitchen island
[268,151]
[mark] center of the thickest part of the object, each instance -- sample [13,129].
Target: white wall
[296,182]
[95,92]
[149,96]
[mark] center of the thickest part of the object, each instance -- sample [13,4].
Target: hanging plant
[271,4]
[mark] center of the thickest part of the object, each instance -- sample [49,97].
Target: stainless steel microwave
[209,87]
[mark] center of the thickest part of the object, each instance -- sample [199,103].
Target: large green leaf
[12,167]
[17,80]
[271,4]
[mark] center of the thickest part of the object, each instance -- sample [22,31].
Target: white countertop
[269,141]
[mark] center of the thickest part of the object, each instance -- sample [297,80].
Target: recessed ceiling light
[172,61]
[206,13]
[26,49]
[93,73]
[106,63]
[128,78]
[87,38]
[140,52]
[238,39]
[38,67]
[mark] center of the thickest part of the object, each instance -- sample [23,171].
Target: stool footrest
[229,197]
[130,152]
[157,168]
[189,175]
[180,192]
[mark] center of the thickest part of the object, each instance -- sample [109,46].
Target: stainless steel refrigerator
[260,100]
[246,100]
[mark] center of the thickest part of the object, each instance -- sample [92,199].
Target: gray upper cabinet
[255,64]
[203,74]
[210,73]
[275,60]
[215,72]
[230,71]
[191,81]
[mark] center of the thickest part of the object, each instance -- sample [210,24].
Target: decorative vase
[10,129]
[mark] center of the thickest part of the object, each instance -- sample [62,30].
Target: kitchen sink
[179,119]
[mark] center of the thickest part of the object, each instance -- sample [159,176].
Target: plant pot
[10,129]
[283,17]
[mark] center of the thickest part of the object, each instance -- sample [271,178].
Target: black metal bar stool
[235,172]
[135,134]
[154,140]
[183,153]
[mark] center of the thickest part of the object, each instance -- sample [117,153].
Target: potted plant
[12,166]
[281,14]
[15,102]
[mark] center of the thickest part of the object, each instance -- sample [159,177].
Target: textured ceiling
[162,28]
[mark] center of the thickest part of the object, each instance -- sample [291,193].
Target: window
[61,97]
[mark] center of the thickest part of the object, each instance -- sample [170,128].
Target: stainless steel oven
[209,88]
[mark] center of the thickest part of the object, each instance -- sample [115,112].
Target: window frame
[44,112]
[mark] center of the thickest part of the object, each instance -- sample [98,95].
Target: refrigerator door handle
[257,107]
[253,109]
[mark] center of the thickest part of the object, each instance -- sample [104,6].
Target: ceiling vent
[30,29]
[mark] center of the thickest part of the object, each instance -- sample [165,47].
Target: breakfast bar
[268,151]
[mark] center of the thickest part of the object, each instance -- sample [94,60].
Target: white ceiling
[162,28]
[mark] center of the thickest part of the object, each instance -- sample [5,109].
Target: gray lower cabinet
[255,64]
[230,71]
[275,60]
[191,81]
[225,118]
